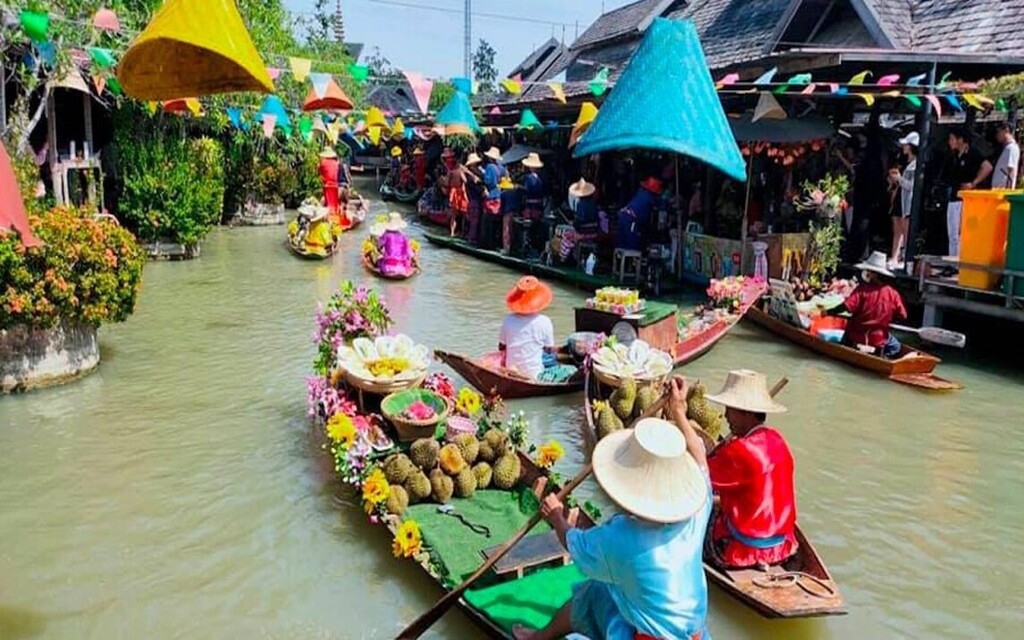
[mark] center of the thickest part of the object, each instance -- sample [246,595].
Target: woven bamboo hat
[648,472]
[875,263]
[581,189]
[494,154]
[472,159]
[533,161]
[747,391]
[395,222]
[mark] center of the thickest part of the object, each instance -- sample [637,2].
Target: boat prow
[489,378]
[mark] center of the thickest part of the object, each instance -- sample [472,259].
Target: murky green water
[179,493]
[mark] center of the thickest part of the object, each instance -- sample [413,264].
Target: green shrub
[88,270]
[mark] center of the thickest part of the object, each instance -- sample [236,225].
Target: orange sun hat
[530,295]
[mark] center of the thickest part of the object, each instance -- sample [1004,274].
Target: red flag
[12,209]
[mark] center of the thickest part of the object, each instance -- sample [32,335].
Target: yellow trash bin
[983,227]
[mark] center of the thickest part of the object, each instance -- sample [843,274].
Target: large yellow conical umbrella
[193,47]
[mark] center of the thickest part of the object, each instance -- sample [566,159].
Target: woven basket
[384,387]
[408,430]
[614,381]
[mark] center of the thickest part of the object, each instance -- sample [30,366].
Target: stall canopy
[665,100]
[457,116]
[193,47]
[790,130]
[12,209]
[333,98]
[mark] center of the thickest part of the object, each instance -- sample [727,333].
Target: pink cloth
[396,254]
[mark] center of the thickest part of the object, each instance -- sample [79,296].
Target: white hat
[314,212]
[876,263]
[911,138]
[328,153]
[472,159]
[581,189]
[395,222]
[533,161]
[648,472]
[747,391]
[494,154]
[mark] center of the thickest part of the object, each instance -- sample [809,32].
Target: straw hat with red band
[653,185]
[530,295]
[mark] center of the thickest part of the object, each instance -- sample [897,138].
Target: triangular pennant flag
[859,78]
[945,79]
[106,20]
[528,120]
[665,100]
[892,94]
[731,78]
[274,73]
[558,91]
[79,56]
[833,87]
[360,72]
[768,107]
[421,89]
[374,133]
[888,80]
[320,82]
[269,122]
[12,208]
[457,116]
[465,85]
[306,127]
[333,131]
[914,100]
[800,78]
[495,111]
[47,53]
[36,24]
[104,58]
[318,124]
[842,91]
[916,81]
[809,89]
[114,86]
[512,86]
[972,100]
[235,117]
[983,99]
[272,105]
[193,106]
[1001,104]
[600,82]
[867,97]
[953,100]
[398,130]
[100,83]
[300,68]
[766,77]
[375,118]
[934,99]
[150,106]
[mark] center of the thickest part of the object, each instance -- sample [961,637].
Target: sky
[415,36]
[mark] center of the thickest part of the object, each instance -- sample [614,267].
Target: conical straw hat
[581,189]
[193,47]
[648,472]
[747,391]
[768,107]
[533,161]
[875,263]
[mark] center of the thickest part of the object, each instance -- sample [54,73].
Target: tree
[380,67]
[440,95]
[484,69]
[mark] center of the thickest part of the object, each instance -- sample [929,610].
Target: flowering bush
[826,197]
[88,270]
[352,312]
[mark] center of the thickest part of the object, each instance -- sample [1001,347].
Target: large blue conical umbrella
[665,100]
[457,116]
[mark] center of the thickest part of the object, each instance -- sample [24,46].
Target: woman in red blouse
[752,476]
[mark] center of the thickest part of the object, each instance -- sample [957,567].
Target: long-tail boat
[489,377]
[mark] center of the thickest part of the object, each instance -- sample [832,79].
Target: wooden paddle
[420,625]
[936,335]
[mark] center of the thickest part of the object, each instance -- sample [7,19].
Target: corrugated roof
[965,26]
[896,19]
[547,61]
[620,22]
[733,32]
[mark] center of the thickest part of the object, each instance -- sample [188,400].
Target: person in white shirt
[1005,174]
[901,222]
[526,334]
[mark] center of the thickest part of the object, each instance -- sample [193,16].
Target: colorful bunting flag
[556,88]
[729,79]
[916,81]
[892,94]
[767,76]
[79,57]
[972,100]
[867,97]
[193,106]
[859,78]
[274,73]
[833,87]
[809,89]
[106,20]
[333,131]
[235,117]
[151,107]
[465,85]
[398,130]
[374,134]
[528,120]
[319,82]
[318,124]
[36,24]
[914,100]
[47,53]
[952,99]
[985,100]
[114,86]
[888,80]
[300,68]
[1001,104]
[306,127]
[600,82]
[945,79]
[104,58]
[360,72]
[421,89]
[495,111]
[800,78]
[269,122]
[934,100]
[512,86]
[100,83]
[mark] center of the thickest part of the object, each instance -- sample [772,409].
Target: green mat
[655,312]
[531,601]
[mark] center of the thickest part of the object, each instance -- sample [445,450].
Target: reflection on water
[178,492]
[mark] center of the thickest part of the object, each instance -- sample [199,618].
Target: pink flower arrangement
[419,410]
[323,400]
[727,293]
[440,384]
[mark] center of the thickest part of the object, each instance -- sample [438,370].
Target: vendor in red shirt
[873,306]
[752,477]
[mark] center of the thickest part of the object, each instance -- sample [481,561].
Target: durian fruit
[623,399]
[483,472]
[398,468]
[498,440]
[424,453]
[698,409]
[605,419]
[441,486]
[398,500]
[507,470]
[465,483]
[485,452]
[418,486]
[451,460]
[468,447]
[646,396]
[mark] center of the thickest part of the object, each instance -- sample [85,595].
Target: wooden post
[56,177]
[923,152]
[745,223]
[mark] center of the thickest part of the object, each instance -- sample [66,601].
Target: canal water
[178,492]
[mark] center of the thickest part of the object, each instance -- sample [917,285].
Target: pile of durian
[625,404]
[435,472]
[699,410]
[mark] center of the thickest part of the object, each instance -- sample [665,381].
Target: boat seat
[622,258]
[531,551]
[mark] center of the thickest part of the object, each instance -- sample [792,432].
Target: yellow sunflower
[341,430]
[468,402]
[408,541]
[548,454]
[375,490]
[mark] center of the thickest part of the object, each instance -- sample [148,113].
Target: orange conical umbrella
[193,47]
[334,98]
[12,209]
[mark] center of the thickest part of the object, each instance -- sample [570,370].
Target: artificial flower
[548,454]
[419,410]
[375,490]
[408,541]
[469,402]
[341,430]
[440,384]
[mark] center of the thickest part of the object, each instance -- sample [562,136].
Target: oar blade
[945,337]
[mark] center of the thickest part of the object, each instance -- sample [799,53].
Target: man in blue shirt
[634,218]
[644,566]
[491,217]
[533,188]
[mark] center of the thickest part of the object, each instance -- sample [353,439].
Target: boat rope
[475,528]
[786,579]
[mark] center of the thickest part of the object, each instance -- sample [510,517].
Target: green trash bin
[1015,241]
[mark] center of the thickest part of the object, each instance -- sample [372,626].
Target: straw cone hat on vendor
[328,153]
[747,391]
[533,161]
[529,295]
[648,472]
[581,189]
[395,222]
[473,159]
[494,154]
[875,264]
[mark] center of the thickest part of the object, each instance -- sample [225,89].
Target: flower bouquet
[726,293]
[352,312]
[826,197]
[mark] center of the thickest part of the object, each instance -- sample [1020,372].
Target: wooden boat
[388,193]
[487,375]
[372,268]
[305,254]
[913,367]
[801,588]
[356,210]
[425,208]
